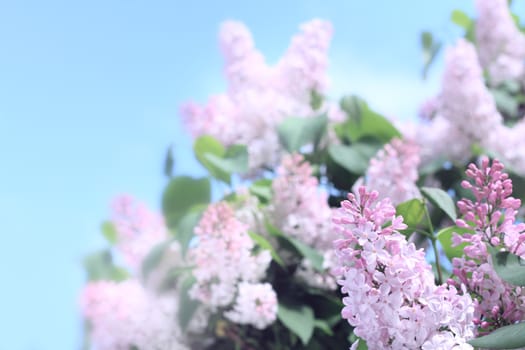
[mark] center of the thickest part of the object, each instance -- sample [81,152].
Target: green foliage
[169,163]
[444,237]
[298,247]
[99,266]
[297,318]
[461,19]
[363,123]
[235,160]
[182,194]
[262,189]
[266,245]
[221,162]
[109,232]
[296,132]
[316,100]
[355,157]
[508,266]
[508,337]
[187,305]
[183,232]
[440,199]
[412,212]
[509,97]
[431,48]
[154,258]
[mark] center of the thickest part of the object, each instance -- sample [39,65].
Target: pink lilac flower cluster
[138,230]
[464,113]
[260,96]
[123,315]
[491,216]
[224,261]
[300,210]
[392,299]
[393,171]
[256,305]
[501,45]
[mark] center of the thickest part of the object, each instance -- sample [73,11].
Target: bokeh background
[89,99]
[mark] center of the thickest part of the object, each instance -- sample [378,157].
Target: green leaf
[171,278]
[301,248]
[323,326]
[432,166]
[262,189]
[412,212]
[440,199]
[354,158]
[308,253]
[362,345]
[181,194]
[426,40]
[444,237]
[430,49]
[316,100]
[187,305]
[99,266]
[295,132]
[508,266]
[461,19]
[266,245]
[206,146]
[154,258]
[186,225]
[511,86]
[169,163]
[362,122]
[353,105]
[508,337]
[506,102]
[109,232]
[297,318]
[235,160]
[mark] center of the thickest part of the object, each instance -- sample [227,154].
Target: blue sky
[89,98]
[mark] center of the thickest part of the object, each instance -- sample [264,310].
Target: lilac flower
[300,209]
[393,171]
[255,305]
[260,96]
[223,257]
[491,216]
[501,46]
[138,230]
[124,314]
[392,299]
[466,111]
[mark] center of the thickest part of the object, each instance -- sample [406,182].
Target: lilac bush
[339,228]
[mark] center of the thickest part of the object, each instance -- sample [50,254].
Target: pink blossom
[491,216]
[501,45]
[392,300]
[466,111]
[465,100]
[138,230]
[122,315]
[255,305]
[260,96]
[223,257]
[300,209]
[393,171]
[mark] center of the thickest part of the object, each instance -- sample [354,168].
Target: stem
[434,245]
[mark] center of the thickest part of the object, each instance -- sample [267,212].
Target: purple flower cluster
[392,299]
